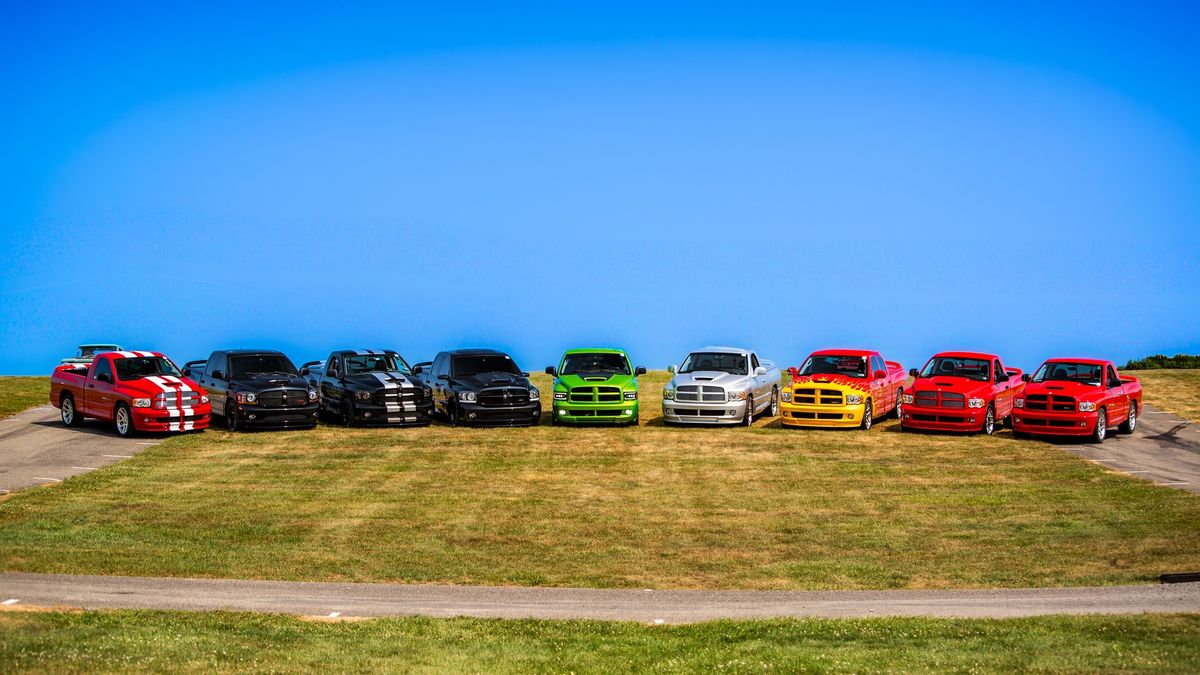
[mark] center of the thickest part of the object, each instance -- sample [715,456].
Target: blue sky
[1019,178]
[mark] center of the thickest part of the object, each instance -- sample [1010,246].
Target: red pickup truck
[136,391]
[1078,397]
[961,391]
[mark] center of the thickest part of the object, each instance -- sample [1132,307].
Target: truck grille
[812,396]
[1052,403]
[399,396]
[504,396]
[283,398]
[939,399]
[700,393]
[595,395]
[175,399]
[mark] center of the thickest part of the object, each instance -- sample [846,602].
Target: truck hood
[962,385]
[261,381]
[589,379]
[1061,388]
[485,380]
[147,387]
[383,380]
[829,379]
[713,378]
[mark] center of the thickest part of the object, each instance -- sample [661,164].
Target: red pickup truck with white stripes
[134,390]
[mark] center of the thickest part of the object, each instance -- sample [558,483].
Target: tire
[773,410]
[347,413]
[452,412]
[748,419]
[69,413]
[1130,423]
[898,411]
[633,422]
[231,418]
[1101,429]
[868,416]
[123,421]
[989,421]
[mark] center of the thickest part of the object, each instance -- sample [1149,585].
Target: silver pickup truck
[721,385]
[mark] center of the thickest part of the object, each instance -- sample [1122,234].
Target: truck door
[759,387]
[883,394]
[1004,393]
[98,396]
[331,391]
[215,382]
[441,388]
[1118,407]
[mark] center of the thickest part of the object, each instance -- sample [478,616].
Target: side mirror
[104,377]
[640,370]
[914,373]
[444,377]
[303,371]
[880,374]
[670,370]
[1026,378]
[550,371]
[417,370]
[524,374]
[217,375]
[794,372]
[760,371]
[187,372]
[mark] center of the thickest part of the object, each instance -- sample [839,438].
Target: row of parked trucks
[833,388]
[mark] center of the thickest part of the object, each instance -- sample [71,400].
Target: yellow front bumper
[824,416]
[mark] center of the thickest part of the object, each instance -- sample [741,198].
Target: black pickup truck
[370,386]
[482,386]
[255,388]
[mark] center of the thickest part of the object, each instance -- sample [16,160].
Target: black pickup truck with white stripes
[370,387]
[257,388]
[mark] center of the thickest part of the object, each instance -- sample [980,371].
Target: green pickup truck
[595,386]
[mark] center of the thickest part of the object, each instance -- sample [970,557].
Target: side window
[1113,380]
[438,362]
[103,367]
[331,365]
[999,375]
[876,365]
[754,361]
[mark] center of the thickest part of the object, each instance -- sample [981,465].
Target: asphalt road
[1164,449]
[36,448]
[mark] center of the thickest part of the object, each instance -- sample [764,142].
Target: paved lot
[36,448]
[365,600]
[1165,449]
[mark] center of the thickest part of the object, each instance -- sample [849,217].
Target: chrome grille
[177,398]
[696,393]
[939,399]
[816,396]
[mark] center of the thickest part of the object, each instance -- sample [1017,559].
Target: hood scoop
[1055,388]
[704,379]
[594,378]
[944,384]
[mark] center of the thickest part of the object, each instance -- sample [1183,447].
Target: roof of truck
[363,352]
[1090,362]
[474,352]
[724,350]
[983,356]
[244,352]
[844,352]
[595,350]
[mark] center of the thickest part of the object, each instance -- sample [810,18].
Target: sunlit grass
[1176,391]
[20,393]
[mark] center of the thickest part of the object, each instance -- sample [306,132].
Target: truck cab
[361,387]
[961,391]
[1077,397]
[842,388]
[483,387]
[721,385]
[595,386]
[256,388]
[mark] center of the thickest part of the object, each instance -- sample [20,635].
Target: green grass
[125,641]
[1176,391]
[20,393]
[760,508]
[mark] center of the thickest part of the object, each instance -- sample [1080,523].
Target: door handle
[91,386]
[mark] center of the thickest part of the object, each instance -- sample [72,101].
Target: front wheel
[773,411]
[749,418]
[898,411]
[123,420]
[989,421]
[868,416]
[231,418]
[452,412]
[70,416]
[1101,427]
[1130,422]
[347,413]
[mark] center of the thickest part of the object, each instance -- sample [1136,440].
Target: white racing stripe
[126,355]
[162,383]
[146,354]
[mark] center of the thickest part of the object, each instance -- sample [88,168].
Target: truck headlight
[312,394]
[1019,403]
[247,397]
[1087,406]
[362,395]
[141,403]
[735,396]
[535,394]
[669,394]
[906,399]
[560,396]
[631,396]
[974,403]
[786,397]
[854,399]
[467,396]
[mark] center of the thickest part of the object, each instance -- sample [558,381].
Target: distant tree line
[1161,361]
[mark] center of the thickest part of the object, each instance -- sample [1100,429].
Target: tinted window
[1066,371]
[944,366]
[835,364]
[597,362]
[375,363]
[1113,380]
[734,364]
[103,367]
[254,364]
[998,370]
[144,366]
[754,361]
[474,364]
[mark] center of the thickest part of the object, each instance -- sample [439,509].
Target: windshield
[836,364]
[375,363]
[89,351]
[144,366]
[466,366]
[972,369]
[1065,371]
[595,363]
[734,364]
[260,364]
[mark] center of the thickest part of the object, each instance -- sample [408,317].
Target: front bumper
[943,419]
[257,417]
[694,412]
[1054,424]
[821,416]
[157,420]
[368,413]
[528,414]
[624,412]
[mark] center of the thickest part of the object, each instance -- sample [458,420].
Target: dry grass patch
[22,393]
[651,506]
[1176,391]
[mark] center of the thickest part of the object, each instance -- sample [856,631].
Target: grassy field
[1176,391]
[19,393]
[759,508]
[125,641]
